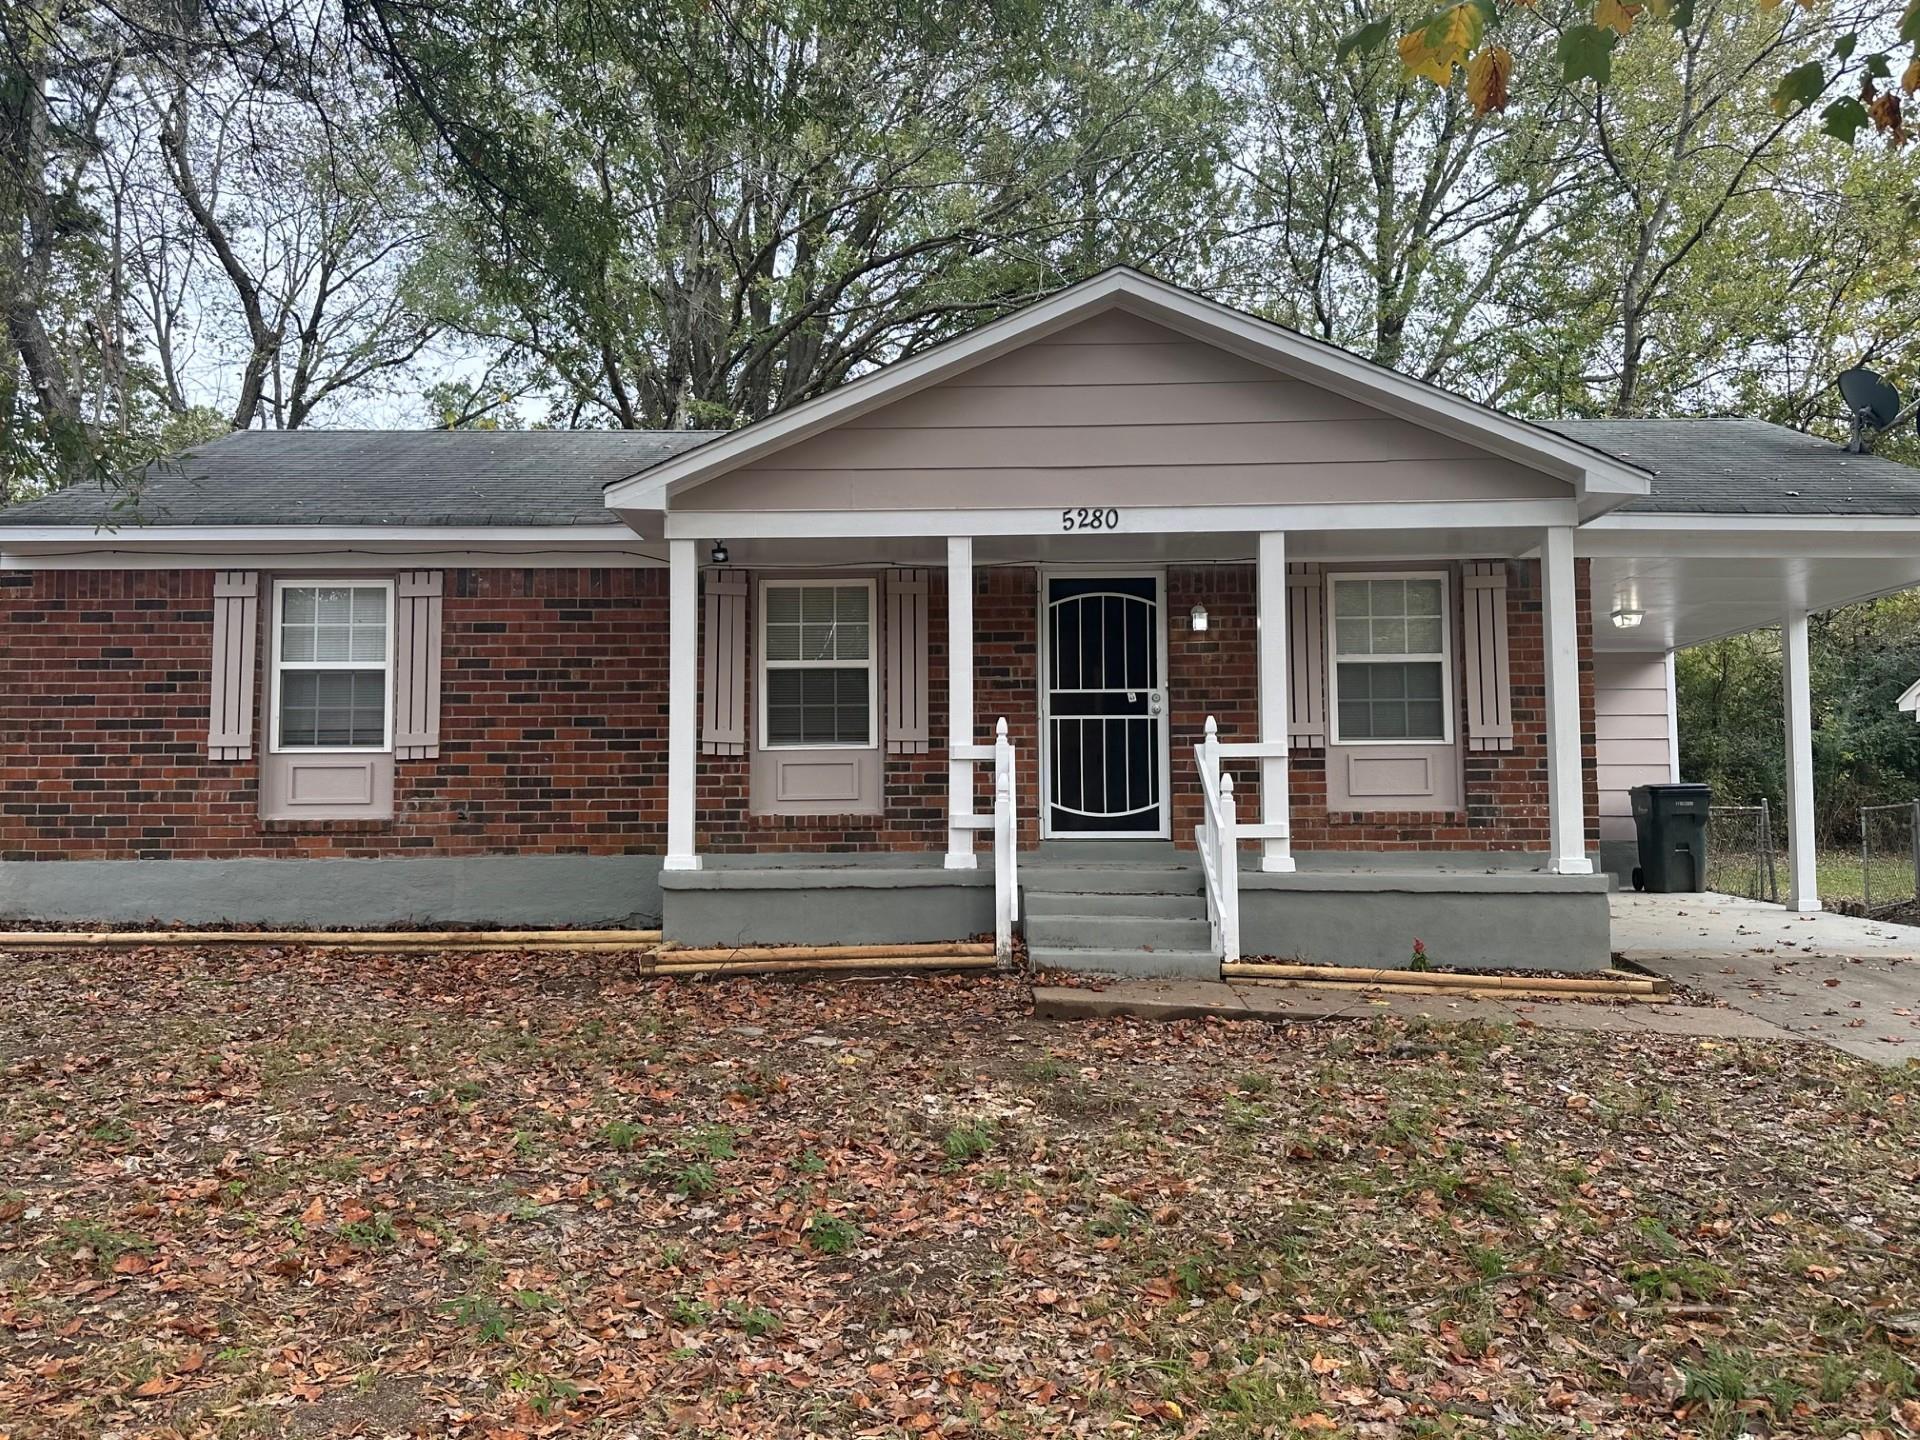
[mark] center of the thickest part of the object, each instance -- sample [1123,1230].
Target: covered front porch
[1154,776]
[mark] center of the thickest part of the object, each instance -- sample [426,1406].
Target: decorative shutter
[416,665]
[236,630]
[906,620]
[1489,679]
[723,698]
[1306,656]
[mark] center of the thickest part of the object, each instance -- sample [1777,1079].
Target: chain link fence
[1740,851]
[1889,856]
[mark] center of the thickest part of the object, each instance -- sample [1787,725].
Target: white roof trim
[1910,700]
[135,535]
[1592,472]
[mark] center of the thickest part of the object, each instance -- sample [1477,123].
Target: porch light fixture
[719,552]
[1625,618]
[1197,620]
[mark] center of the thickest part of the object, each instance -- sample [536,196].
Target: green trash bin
[1670,822]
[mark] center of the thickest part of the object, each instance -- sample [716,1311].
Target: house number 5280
[1085,519]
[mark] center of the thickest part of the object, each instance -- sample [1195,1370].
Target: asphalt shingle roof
[554,477]
[1748,467]
[377,477]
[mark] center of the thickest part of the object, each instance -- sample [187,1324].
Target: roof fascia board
[136,535]
[327,557]
[1760,537]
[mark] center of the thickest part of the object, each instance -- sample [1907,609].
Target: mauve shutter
[906,627]
[1306,657]
[723,698]
[1488,678]
[236,628]
[416,665]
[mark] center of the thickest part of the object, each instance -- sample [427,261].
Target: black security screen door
[1105,707]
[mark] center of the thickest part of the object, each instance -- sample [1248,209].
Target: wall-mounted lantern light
[1197,620]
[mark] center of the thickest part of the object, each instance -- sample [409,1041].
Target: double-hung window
[817,677]
[1390,663]
[332,665]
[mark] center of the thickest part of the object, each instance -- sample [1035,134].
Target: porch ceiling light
[1626,617]
[719,552]
[1197,619]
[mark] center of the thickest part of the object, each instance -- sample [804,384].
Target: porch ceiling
[1688,599]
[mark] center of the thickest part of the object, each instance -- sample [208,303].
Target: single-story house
[1142,625]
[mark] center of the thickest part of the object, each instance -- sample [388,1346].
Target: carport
[1751,527]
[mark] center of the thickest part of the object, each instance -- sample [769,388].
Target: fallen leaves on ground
[522,1195]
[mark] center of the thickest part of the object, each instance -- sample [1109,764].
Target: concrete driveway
[1849,983]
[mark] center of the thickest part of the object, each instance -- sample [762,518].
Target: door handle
[1156,701]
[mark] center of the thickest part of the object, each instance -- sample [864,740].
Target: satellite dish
[1871,401]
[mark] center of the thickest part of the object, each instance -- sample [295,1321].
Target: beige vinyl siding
[1631,743]
[1119,411]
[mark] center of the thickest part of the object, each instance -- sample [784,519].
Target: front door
[1104,704]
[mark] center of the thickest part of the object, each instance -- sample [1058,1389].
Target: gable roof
[1594,474]
[373,477]
[1748,467]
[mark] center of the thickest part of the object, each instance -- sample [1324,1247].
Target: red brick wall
[553,726]
[1505,792]
[553,723]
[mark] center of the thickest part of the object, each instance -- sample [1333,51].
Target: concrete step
[1179,964]
[1054,902]
[1115,932]
[1111,879]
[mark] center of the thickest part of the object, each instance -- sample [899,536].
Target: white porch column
[683,701]
[1276,849]
[959,701]
[1566,790]
[1803,889]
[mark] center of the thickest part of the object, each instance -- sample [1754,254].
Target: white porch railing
[1004,822]
[1220,832]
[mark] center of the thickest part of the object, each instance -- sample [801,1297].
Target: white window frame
[871,663]
[280,587]
[1335,659]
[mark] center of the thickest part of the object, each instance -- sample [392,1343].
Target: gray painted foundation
[1498,920]
[862,904]
[467,889]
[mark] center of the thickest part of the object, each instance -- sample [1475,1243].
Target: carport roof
[1748,467]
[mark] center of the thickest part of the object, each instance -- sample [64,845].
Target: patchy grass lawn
[300,1195]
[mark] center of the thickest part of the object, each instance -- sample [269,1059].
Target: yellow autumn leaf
[1443,42]
[1770,6]
[1421,61]
[1616,15]
[1910,78]
[1487,79]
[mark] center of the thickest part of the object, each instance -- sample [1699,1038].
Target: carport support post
[683,700]
[1276,851]
[1803,889]
[1566,784]
[959,701]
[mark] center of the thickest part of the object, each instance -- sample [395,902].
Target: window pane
[296,642]
[1389,682]
[1350,637]
[783,605]
[1355,720]
[1423,637]
[1424,720]
[1389,637]
[1423,680]
[333,606]
[1349,597]
[816,641]
[333,642]
[1356,682]
[299,606]
[850,604]
[328,708]
[816,605]
[1387,597]
[1423,597]
[852,640]
[824,706]
[783,642]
